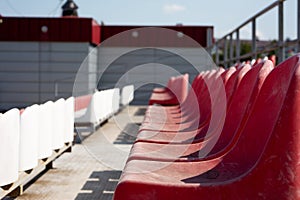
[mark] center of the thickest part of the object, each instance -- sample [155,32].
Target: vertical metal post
[225,52]
[298,32]
[231,50]
[280,32]
[217,53]
[209,41]
[209,37]
[254,38]
[238,45]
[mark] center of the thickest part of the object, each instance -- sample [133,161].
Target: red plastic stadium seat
[262,164]
[175,114]
[167,133]
[178,114]
[237,114]
[257,61]
[82,102]
[176,94]
[164,89]
[273,59]
[191,118]
[176,108]
[188,106]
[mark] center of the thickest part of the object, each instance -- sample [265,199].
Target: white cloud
[173,8]
[260,35]
[246,33]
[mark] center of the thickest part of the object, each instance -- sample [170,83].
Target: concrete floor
[93,168]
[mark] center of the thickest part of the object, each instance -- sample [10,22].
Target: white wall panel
[9,148]
[29,131]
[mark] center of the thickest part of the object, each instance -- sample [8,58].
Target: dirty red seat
[178,133]
[154,110]
[178,114]
[164,89]
[151,120]
[237,114]
[191,114]
[262,164]
[175,95]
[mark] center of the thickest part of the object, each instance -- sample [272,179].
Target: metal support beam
[217,53]
[238,45]
[280,33]
[298,31]
[225,52]
[230,50]
[254,38]
[252,20]
[209,37]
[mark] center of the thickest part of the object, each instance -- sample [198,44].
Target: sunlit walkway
[79,175]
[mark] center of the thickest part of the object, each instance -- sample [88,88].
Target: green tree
[245,49]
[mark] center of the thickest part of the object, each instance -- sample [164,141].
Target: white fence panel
[9,148]
[29,136]
[58,124]
[69,120]
[45,130]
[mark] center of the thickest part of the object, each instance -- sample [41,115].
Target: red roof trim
[64,29]
[77,29]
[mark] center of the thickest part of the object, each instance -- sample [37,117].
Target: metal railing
[231,48]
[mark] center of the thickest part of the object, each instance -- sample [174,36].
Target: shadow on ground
[128,135]
[140,112]
[100,185]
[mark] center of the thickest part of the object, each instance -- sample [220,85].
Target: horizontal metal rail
[265,10]
[231,48]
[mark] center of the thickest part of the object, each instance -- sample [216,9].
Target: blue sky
[223,15]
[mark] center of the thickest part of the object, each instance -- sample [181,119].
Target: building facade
[40,57]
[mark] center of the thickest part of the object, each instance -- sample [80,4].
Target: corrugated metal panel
[18,66]
[21,56]
[64,67]
[12,87]
[63,46]
[14,97]
[18,46]
[125,70]
[19,77]
[28,77]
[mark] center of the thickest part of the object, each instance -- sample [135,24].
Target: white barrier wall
[69,120]
[116,100]
[58,124]
[9,150]
[29,132]
[113,100]
[107,110]
[87,115]
[127,95]
[46,130]
[102,105]
[35,132]
[32,134]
